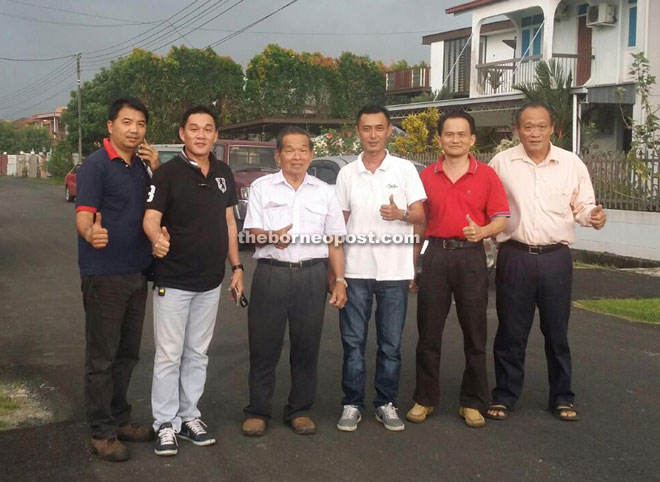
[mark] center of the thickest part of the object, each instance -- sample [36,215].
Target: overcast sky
[386,30]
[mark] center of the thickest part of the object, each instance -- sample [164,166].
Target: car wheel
[67,194]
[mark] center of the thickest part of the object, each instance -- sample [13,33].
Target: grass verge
[6,405]
[57,181]
[646,310]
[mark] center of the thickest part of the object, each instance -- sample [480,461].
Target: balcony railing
[500,77]
[409,80]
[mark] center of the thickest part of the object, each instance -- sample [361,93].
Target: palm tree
[552,88]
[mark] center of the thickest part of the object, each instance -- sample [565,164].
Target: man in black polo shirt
[113,252]
[190,221]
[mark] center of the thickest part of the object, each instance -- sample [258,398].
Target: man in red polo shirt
[466,203]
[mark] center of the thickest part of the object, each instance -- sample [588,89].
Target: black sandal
[498,407]
[560,411]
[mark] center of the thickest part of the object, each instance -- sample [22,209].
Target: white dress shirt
[312,209]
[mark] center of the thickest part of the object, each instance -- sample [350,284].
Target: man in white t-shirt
[381,196]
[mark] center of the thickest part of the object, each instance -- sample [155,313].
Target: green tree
[61,160]
[552,87]
[421,134]
[33,138]
[7,137]
[167,86]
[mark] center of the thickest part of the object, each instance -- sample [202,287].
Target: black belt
[292,265]
[451,243]
[547,248]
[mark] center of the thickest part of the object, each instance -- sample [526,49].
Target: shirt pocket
[275,215]
[314,216]
[558,200]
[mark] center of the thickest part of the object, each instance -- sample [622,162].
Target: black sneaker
[195,432]
[166,443]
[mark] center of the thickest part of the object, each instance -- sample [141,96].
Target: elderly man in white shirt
[381,196]
[297,224]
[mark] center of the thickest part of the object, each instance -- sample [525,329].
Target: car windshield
[167,155]
[246,158]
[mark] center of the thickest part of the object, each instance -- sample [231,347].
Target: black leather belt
[547,248]
[292,265]
[451,243]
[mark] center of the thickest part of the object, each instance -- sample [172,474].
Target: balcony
[409,81]
[500,77]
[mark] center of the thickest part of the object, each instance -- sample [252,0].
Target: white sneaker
[349,419]
[388,416]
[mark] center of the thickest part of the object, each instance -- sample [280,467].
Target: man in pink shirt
[549,190]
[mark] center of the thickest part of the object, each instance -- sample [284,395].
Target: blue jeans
[391,305]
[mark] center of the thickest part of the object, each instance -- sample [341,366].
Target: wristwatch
[405,215]
[342,281]
[237,266]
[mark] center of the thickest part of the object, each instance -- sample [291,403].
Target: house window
[632,23]
[530,34]
[458,81]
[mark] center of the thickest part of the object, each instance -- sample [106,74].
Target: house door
[583,51]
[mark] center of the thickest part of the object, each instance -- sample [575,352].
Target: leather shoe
[132,432]
[303,425]
[418,413]
[254,427]
[472,417]
[109,449]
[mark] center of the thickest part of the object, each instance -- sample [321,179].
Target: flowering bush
[333,142]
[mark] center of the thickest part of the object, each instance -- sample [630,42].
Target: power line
[39,80]
[238,32]
[74,12]
[36,60]
[25,108]
[39,89]
[72,24]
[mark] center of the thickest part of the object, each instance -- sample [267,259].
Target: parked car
[248,160]
[70,184]
[327,169]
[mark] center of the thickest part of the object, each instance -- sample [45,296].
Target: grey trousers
[183,328]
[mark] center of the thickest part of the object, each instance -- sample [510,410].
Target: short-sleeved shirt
[194,213]
[546,199]
[362,193]
[312,210]
[107,184]
[478,193]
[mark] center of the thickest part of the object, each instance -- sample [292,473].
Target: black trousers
[525,281]
[114,314]
[280,294]
[463,273]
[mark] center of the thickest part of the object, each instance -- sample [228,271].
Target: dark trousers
[114,314]
[463,273]
[525,281]
[280,294]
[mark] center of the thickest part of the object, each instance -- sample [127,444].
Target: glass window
[531,27]
[164,156]
[324,172]
[243,158]
[219,152]
[632,23]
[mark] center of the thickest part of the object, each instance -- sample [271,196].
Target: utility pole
[79,110]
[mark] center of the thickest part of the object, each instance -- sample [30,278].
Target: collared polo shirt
[107,184]
[478,193]
[194,212]
[362,193]
[546,199]
[312,210]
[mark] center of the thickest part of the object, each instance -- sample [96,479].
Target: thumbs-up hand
[98,235]
[390,212]
[598,217]
[282,237]
[162,245]
[473,232]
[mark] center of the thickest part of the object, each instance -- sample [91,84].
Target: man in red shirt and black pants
[466,203]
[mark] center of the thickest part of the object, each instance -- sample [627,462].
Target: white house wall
[496,49]
[437,65]
[566,34]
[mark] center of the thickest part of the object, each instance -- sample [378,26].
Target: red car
[70,183]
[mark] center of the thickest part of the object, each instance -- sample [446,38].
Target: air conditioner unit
[601,15]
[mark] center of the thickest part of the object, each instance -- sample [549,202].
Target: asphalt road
[617,368]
